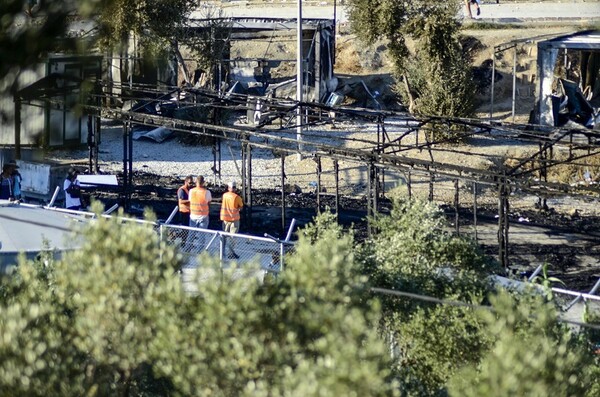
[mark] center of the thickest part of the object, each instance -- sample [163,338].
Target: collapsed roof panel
[560,100]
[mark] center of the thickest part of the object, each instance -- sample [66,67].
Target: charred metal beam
[282,191]
[336,170]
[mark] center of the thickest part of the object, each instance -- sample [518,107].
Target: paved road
[490,11]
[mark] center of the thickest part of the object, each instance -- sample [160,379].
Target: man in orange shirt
[230,214]
[200,199]
[183,201]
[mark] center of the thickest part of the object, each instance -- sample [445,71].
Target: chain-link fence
[231,249]
[252,255]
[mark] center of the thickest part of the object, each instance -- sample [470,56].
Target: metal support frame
[299,78]
[336,170]
[372,192]
[543,174]
[249,175]
[318,192]
[127,164]
[475,210]
[216,167]
[381,138]
[282,191]
[409,183]
[578,298]
[243,173]
[456,207]
[514,84]
[493,83]
[91,142]
[503,225]
[431,182]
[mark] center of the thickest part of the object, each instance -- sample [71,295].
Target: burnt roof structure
[584,97]
[255,73]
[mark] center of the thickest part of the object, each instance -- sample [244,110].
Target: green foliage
[84,325]
[414,251]
[29,32]
[433,344]
[436,79]
[211,43]
[111,318]
[546,282]
[592,337]
[532,355]
[154,22]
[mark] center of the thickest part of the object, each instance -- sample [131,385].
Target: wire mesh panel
[232,250]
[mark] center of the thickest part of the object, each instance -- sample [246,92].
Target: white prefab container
[41,179]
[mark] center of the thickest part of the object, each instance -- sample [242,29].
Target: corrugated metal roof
[589,39]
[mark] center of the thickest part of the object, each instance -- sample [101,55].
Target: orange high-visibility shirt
[230,207]
[198,202]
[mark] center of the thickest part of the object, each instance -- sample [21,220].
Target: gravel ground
[174,159]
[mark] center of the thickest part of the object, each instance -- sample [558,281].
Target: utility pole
[299,82]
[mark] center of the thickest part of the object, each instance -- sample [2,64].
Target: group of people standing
[10,182]
[194,206]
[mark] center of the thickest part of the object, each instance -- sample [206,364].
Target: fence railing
[231,249]
[266,254]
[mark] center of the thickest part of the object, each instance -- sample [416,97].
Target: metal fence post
[221,249]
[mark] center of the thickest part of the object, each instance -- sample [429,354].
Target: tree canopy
[435,79]
[112,318]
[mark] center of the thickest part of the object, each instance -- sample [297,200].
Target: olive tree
[414,251]
[532,354]
[153,22]
[434,78]
[111,318]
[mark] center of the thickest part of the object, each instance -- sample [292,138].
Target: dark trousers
[184,218]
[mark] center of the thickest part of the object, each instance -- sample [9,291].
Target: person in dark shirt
[6,183]
[183,201]
[17,179]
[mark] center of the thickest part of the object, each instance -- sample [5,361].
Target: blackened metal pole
[431,181]
[506,223]
[475,208]
[248,203]
[492,86]
[130,174]
[503,227]
[544,173]
[514,82]
[381,149]
[282,191]
[336,169]
[501,257]
[409,184]
[249,171]
[456,207]
[369,194]
[90,142]
[243,173]
[375,184]
[216,167]
[299,82]
[318,160]
[125,166]
[98,128]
